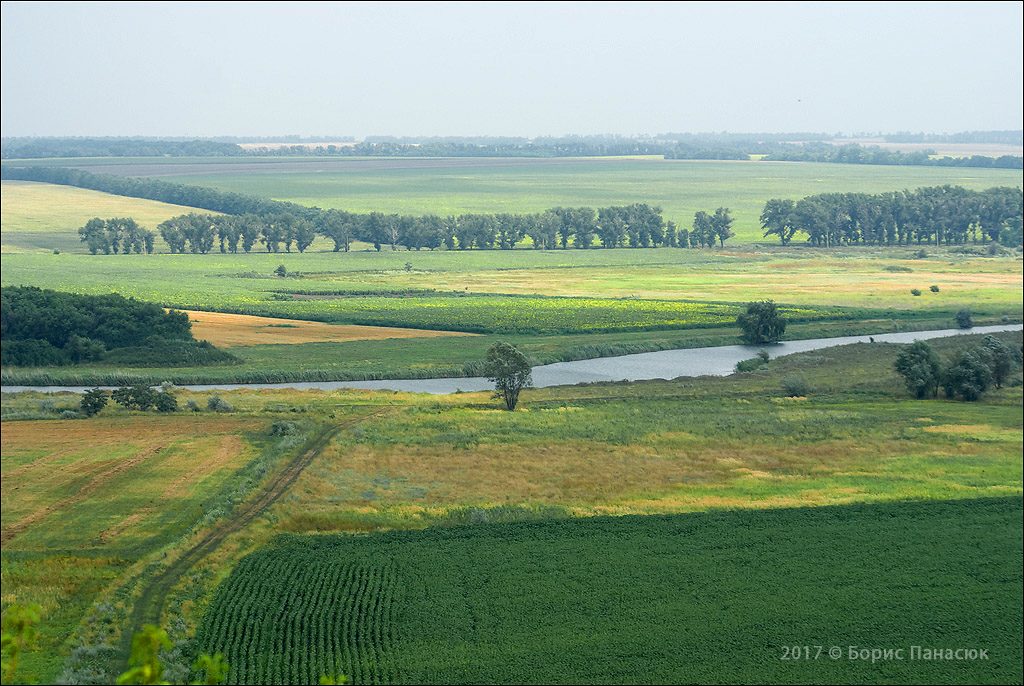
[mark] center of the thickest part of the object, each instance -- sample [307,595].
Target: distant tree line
[859,154]
[35,148]
[990,137]
[44,327]
[800,147]
[949,215]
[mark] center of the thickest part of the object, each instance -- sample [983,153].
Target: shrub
[964,319]
[898,268]
[192,406]
[281,270]
[933,288]
[70,414]
[915,291]
[753,363]
[284,429]
[969,375]
[139,397]
[93,401]
[218,404]
[165,402]
[919,366]
[795,386]
[761,323]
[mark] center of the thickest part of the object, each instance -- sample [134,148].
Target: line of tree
[42,327]
[119,234]
[699,146]
[853,153]
[635,226]
[949,215]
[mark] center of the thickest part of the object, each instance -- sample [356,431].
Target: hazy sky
[507,69]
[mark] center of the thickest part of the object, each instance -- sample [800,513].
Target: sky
[519,69]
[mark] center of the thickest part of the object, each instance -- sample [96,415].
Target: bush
[761,323]
[933,288]
[919,366]
[969,376]
[795,386]
[70,414]
[165,402]
[915,291]
[753,363]
[139,397]
[284,429]
[218,404]
[192,406]
[281,271]
[93,401]
[964,319]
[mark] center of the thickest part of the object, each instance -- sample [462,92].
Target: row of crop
[294,622]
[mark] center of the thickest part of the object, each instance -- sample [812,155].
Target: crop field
[231,330]
[648,448]
[42,217]
[461,185]
[678,599]
[83,501]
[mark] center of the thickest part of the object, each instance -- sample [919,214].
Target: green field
[627,449]
[556,305]
[711,598]
[461,185]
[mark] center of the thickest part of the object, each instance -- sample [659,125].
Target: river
[665,364]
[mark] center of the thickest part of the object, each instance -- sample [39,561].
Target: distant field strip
[230,330]
[703,598]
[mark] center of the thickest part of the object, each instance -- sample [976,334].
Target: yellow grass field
[231,330]
[65,480]
[29,209]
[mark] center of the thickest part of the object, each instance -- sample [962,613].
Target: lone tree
[920,368]
[761,323]
[510,371]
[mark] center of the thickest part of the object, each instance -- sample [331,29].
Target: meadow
[557,305]
[703,598]
[463,185]
[607,449]
[42,217]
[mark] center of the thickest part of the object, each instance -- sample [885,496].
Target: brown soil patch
[229,330]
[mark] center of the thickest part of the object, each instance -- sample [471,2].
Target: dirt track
[150,603]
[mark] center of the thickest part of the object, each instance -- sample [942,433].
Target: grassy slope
[42,217]
[447,186]
[705,598]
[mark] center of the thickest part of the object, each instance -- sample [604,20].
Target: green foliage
[144,666]
[281,271]
[508,603]
[796,386]
[964,319]
[933,288]
[761,323]
[43,327]
[19,634]
[139,397]
[969,375]
[510,371]
[93,401]
[218,404]
[213,668]
[1002,359]
[915,291]
[164,401]
[920,368]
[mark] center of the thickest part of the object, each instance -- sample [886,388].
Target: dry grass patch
[230,330]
